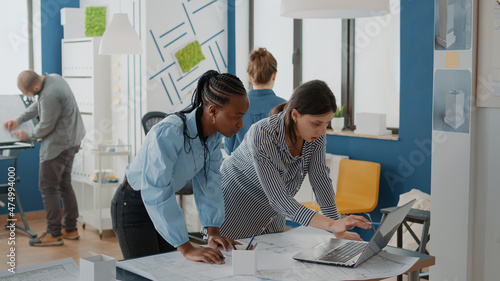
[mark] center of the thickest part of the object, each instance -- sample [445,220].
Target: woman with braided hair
[185,145]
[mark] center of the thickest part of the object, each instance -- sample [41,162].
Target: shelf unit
[98,214]
[89,77]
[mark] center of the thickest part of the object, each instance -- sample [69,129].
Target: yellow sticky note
[116,88]
[116,63]
[117,100]
[451,60]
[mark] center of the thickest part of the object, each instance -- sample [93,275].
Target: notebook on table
[349,253]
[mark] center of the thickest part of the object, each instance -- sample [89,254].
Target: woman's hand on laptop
[340,227]
[348,235]
[350,222]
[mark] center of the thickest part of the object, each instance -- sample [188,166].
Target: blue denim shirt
[162,167]
[261,103]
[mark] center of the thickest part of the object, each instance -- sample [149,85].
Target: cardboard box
[371,124]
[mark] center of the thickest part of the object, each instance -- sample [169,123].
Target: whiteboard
[11,106]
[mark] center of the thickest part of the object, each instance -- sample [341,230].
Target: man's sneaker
[47,240]
[71,235]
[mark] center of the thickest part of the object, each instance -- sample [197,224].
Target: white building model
[455,109]
[446,36]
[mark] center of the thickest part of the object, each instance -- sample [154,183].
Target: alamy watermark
[11,220]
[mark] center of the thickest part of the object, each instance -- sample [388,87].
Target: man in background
[61,131]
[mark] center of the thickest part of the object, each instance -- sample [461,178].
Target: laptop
[349,253]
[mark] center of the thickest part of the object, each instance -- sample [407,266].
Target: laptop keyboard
[344,252]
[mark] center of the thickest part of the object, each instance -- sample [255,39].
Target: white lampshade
[323,9]
[120,38]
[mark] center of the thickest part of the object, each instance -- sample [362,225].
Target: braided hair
[213,88]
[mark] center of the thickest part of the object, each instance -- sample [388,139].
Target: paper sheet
[11,106]
[60,270]
[275,262]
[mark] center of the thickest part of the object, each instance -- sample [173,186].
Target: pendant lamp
[323,9]
[120,38]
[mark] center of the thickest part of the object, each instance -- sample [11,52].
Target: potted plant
[338,120]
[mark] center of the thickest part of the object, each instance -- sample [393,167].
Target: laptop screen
[386,230]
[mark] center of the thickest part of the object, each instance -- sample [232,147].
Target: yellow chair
[357,187]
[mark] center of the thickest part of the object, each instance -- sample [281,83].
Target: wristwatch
[204,233]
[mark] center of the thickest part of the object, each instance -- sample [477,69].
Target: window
[364,79]
[275,33]
[376,70]
[15,46]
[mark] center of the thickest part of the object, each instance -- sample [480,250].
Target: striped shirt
[261,177]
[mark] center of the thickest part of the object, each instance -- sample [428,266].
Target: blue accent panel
[212,37]
[165,87]
[28,165]
[161,71]
[188,73]
[406,163]
[172,29]
[177,92]
[222,56]
[210,48]
[190,23]
[156,44]
[190,83]
[204,7]
[231,37]
[175,40]
[52,33]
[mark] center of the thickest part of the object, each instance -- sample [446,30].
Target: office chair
[148,121]
[357,187]
[151,118]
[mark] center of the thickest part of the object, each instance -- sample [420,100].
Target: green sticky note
[95,21]
[189,56]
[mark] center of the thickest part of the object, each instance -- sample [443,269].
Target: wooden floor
[76,249]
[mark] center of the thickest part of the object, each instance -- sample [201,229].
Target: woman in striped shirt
[263,174]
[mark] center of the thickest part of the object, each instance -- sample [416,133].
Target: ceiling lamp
[322,9]
[120,38]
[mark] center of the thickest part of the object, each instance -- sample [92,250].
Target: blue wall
[28,160]
[406,163]
[52,33]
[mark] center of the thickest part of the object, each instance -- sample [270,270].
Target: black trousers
[55,187]
[133,227]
